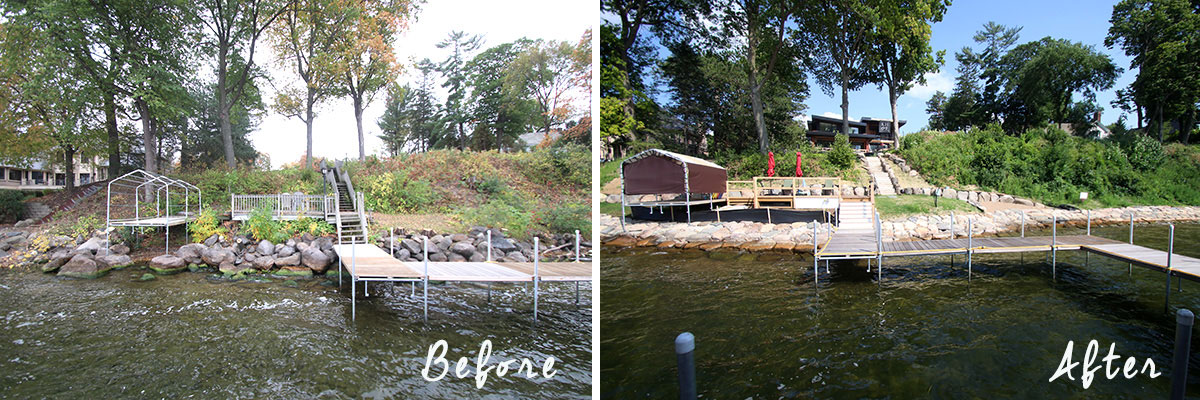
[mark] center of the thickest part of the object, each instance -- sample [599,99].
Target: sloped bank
[797,237]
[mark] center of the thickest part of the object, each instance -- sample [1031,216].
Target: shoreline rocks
[797,237]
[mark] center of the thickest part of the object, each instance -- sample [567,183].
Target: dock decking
[367,262]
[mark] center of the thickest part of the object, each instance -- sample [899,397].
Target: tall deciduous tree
[304,39]
[544,72]
[500,113]
[841,29]
[902,54]
[1040,79]
[233,29]
[365,62]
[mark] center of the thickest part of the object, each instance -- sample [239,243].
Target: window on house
[39,177]
[60,179]
[85,179]
[14,174]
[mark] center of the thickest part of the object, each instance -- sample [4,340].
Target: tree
[460,44]
[364,60]
[1160,37]
[393,127]
[842,30]
[412,117]
[1040,79]
[499,113]
[304,39]
[623,58]
[936,108]
[901,45]
[544,72]
[233,29]
[201,142]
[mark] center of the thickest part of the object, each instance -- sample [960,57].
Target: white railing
[282,206]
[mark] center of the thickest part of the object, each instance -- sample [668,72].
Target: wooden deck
[159,221]
[991,245]
[1154,259]
[371,262]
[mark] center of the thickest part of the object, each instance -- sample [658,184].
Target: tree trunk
[756,105]
[892,97]
[845,104]
[308,124]
[223,107]
[114,138]
[1185,130]
[358,111]
[1139,116]
[69,159]
[149,141]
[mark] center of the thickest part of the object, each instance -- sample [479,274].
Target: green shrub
[841,156]
[205,225]
[260,225]
[394,192]
[315,227]
[12,205]
[500,214]
[493,186]
[81,227]
[567,218]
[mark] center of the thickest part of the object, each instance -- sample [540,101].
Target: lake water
[762,331]
[189,335]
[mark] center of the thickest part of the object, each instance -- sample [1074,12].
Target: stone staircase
[883,182]
[36,211]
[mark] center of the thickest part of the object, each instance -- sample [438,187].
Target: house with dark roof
[867,134]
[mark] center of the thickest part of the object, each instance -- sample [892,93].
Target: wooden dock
[855,242]
[367,262]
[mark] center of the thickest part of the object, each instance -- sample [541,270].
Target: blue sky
[1078,21]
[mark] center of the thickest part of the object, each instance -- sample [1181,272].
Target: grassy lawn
[916,204]
[613,209]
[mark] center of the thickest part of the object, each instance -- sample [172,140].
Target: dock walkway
[854,242]
[368,262]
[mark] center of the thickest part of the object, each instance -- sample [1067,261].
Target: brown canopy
[657,171]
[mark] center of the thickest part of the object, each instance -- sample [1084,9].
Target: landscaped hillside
[1053,166]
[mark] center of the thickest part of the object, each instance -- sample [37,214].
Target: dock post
[1184,319]
[392,242]
[536,256]
[685,359]
[879,248]
[1131,238]
[829,234]
[425,278]
[1053,243]
[1089,222]
[970,238]
[1022,223]
[489,254]
[1170,250]
[353,283]
[952,225]
[622,211]
[576,245]
[768,215]
[816,260]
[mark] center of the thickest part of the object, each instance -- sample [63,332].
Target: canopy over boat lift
[660,172]
[146,199]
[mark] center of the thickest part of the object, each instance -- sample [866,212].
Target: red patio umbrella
[799,172]
[770,163]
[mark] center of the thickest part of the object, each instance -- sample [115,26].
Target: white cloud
[837,115]
[934,82]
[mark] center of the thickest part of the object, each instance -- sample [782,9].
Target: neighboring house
[41,175]
[867,133]
[1094,129]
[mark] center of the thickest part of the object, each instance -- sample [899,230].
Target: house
[42,175]
[867,133]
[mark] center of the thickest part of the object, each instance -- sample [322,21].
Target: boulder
[1023,202]
[1006,199]
[83,266]
[437,257]
[463,249]
[92,245]
[229,268]
[413,246]
[402,254]
[114,261]
[212,240]
[119,249]
[167,264]
[459,237]
[516,256]
[501,245]
[191,252]
[57,260]
[288,261]
[950,193]
[314,259]
[300,247]
[477,257]
[249,257]
[455,257]
[324,243]
[293,271]
[266,248]
[263,262]
[216,256]
[284,250]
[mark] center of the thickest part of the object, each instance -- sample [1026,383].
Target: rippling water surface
[762,331]
[189,335]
